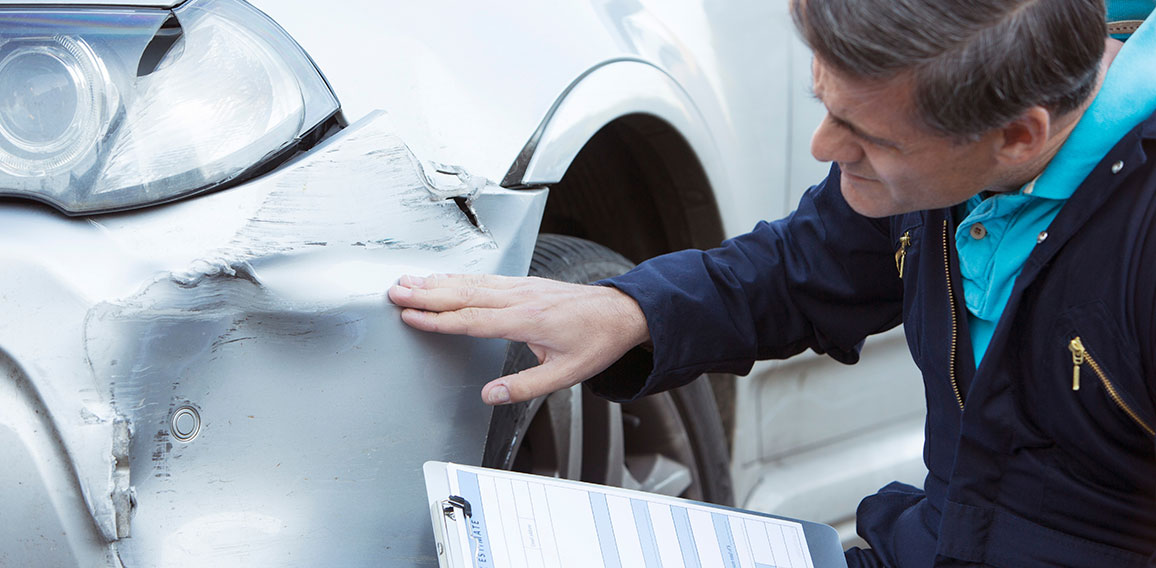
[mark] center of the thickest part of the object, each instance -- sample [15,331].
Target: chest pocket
[1104,363]
[907,240]
[1099,414]
[1082,358]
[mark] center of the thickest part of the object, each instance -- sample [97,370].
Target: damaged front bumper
[222,381]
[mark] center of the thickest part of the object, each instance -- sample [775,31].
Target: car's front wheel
[671,443]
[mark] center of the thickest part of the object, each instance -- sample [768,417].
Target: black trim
[164,40]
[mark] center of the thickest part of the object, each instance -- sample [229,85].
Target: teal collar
[1126,98]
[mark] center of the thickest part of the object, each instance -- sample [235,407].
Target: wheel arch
[632,165]
[626,135]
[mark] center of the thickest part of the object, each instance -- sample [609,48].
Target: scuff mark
[468,208]
[123,494]
[462,194]
[161,448]
[203,269]
[468,186]
[222,341]
[89,417]
[402,204]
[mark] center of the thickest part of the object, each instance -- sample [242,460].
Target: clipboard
[489,518]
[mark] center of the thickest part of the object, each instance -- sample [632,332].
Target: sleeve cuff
[626,379]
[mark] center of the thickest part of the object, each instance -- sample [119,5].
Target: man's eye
[849,129]
[843,125]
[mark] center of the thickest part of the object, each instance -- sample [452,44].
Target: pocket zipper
[901,254]
[1080,356]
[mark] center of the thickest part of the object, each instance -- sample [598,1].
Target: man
[984,195]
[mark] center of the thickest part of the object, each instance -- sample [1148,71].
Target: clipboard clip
[450,505]
[454,502]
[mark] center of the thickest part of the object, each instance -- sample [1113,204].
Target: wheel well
[638,188]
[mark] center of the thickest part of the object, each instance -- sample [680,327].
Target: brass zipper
[901,254]
[954,323]
[1078,353]
[1080,356]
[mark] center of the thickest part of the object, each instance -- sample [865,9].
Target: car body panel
[56,526]
[263,308]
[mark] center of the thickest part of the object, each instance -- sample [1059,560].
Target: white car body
[261,307]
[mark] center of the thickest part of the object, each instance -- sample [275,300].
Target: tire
[672,443]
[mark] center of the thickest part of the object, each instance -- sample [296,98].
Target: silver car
[198,363]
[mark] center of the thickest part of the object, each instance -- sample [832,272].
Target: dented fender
[258,315]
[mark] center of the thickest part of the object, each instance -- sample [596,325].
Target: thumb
[530,383]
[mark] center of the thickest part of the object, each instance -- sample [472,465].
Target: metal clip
[454,502]
[450,506]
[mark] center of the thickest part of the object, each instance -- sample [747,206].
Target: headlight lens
[87,127]
[51,107]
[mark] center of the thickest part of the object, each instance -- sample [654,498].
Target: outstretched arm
[575,330]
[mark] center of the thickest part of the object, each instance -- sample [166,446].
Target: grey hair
[976,65]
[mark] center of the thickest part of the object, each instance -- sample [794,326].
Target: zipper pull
[901,254]
[1078,353]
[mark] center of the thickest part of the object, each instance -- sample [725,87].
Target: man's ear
[1025,139]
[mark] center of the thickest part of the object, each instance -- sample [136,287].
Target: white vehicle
[198,363]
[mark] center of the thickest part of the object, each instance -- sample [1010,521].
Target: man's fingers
[458,281]
[446,298]
[476,322]
[575,330]
[530,383]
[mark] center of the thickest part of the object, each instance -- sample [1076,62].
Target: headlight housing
[111,109]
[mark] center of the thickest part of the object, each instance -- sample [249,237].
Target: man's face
[890,162]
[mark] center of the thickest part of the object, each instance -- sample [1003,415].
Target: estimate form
[527,521]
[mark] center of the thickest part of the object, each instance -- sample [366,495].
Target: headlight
[101,110]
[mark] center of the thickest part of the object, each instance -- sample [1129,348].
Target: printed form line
[605,529]
[645,533]
[726,540]
[686,541]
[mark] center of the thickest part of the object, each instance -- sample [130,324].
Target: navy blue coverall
[1023,470]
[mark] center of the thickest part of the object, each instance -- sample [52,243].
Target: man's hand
[575,330]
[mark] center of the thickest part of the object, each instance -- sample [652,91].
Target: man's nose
[832,143]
